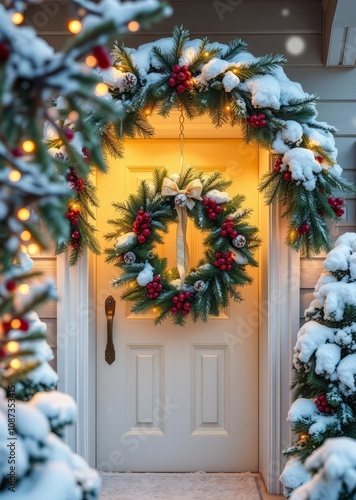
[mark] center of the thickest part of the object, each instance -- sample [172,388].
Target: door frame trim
[279,293]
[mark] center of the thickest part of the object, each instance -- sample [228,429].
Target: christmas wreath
[229,245]
[236,88]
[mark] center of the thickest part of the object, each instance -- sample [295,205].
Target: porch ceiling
[339,32]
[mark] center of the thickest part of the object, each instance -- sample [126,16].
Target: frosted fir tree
[35,464]
[325,363]
[334,464]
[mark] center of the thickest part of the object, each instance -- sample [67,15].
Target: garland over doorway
[236,88]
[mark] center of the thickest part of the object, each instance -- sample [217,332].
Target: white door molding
[279,317]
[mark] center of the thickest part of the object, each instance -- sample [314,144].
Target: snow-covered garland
[229,246]
[234,87]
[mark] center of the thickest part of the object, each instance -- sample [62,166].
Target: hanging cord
[181,138]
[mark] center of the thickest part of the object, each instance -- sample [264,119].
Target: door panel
[178,399]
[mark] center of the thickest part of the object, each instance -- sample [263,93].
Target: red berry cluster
[75,239]
[180,78]
[77,183]
[287,176]
[73,216]
[227,228]
[322,404]
[23,325]
[4,51]
[154,288]
[102,57]
[319,159]
[223,260]
[10,285]
[257,120]
[278,165]
[304,228]
[181,303]
[211,207]
[86,154]
[142,225]
[336,204]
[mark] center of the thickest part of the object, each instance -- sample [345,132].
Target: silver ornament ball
[129,258]
[199,286]
[239,241]
[181,200]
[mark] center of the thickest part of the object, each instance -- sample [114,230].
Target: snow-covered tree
[325,363]
[34,462]
[334,465]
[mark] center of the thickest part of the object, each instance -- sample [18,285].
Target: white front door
[177,399]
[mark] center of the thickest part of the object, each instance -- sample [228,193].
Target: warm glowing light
[206,54]
[74,26]
[101,89]
[24,288]
[154,310]
[292,236]
[303,437]
[23,214]
[73,116]
[234,71]
[131,285]
[26,235]
[12,346]
[6,317]
[28,146]
[121,68]
[122,233]
[15,323]
[91,61]
[228,108]
[15,364]
[74,206]
[133,26]
[23,248]
[17,18]
[14,176]
[33,248]
[147,112]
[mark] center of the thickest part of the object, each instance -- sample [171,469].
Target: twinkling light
[295,45]
[15,323]
[91,61]
[14,175]
[133,26]
[228,108]
[73,116]
[74,26]
[15,364]
[33,248]
[24,289]
[23,214]
[26,235]
[28,146]
[12,346]
[101,89]
[17,18]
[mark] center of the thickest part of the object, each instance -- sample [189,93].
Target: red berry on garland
[187,295]
[17,152]
[212,215]
[102,57]
[176,68]
[262,123]
[10,285]
[218,209]
[146,232]
[141,239]
[86,152]
[175,299]
[223,233]
[287,176]
[180,88]
[322,404]
[69,133]
[305,228]
[331,201]
[319,159]
[4,51]
[184,68]
[339,201]
[24,325]
[205,201]
[76,235]
[75,244]
[185,312]
[174,310]
[172,82]
[157,278]
[140,212]
[181,76]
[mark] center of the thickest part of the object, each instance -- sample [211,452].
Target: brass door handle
[110,312]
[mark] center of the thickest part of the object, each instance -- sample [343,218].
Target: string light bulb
[74,26]
[26,235]
[15,324]
[74,206]
[14,175]
[303,438]
[133,26]
[206,53]
[24,289]
[33,248]
[228,108]
[12,346]
[73,116]
[23,214]
[17,18]
[147,112]
[28,146]
[15,364]
[101,89]
[91,61]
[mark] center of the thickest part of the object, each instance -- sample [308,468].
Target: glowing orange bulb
[26,235]
[33,248]
[23,214]
[15,323]
[133,26]
[147,112]
[206,54]
[73,116]
[17,18]
[28,146]
[24,289]
[12,346]
[74,26]
[15,364]
[101,89]
[74,206]
[91,61]
[228,108]
[14,176]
